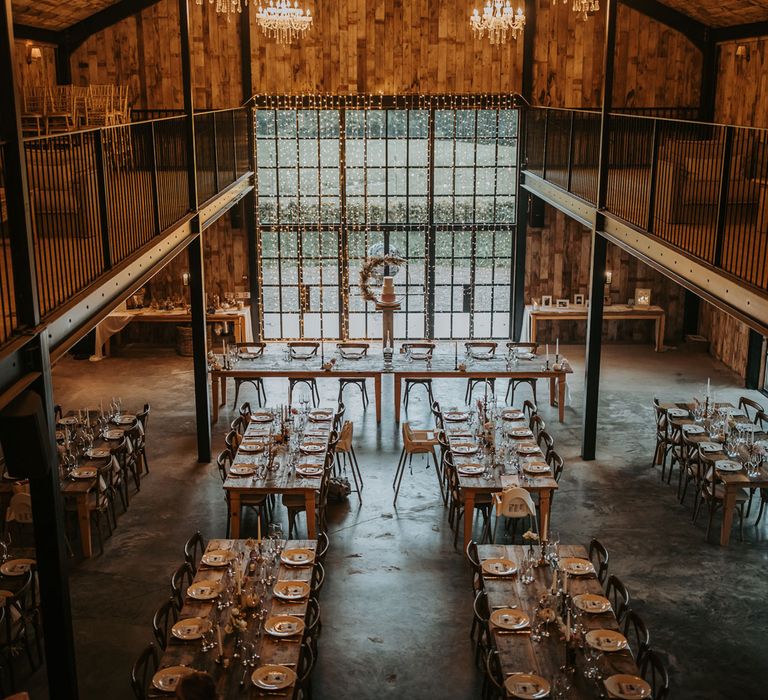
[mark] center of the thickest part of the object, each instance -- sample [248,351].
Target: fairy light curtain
[432,179]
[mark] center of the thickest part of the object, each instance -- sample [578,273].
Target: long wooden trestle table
[442,366]
[283,480]
[270,649]
[518,652]
[733,482]
[471,486]
[270,365]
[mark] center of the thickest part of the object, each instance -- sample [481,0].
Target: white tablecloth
[122,316]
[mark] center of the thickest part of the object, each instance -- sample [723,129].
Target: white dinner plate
[84,473]
[727,465]
[241,470]
[470,469]
[626,687]
[251,448]
[125,419]
[273,677]
[291,590]
[261,417]
[97,453]
[190,628]
[710,447]
[217,557]
[297,557]
[498,567]
[526,686]
[166,679]
[591,603]
[207,589]
[310,471]
[606,640]
[510,619]
[455,416]
[284,626]
[16,567]
[575,566]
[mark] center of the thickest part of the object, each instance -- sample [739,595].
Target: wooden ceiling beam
[696,32]
[37,34]
[80,31]
[740,31]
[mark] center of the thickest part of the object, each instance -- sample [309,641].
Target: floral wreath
[366,271]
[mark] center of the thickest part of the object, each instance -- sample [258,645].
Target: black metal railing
[98,196]
[700,187]
[8,321]
[218,147]
[143,115]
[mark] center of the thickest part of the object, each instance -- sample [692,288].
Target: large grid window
[432,183]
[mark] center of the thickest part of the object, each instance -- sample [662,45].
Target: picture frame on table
[563,303]
[546,301]
[642,297]
[578,300]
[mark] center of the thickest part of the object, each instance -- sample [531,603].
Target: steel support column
[599,250]
[195,252]
[50,547]
[189,109]
[45,493]
[522,198]
[430,276]
[522,206]
[199,347]
[755,360]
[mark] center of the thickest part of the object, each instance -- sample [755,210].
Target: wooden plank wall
[728,337]
[558,262]
[392,47]
[655,66]
[389,47]
[37,73]
[144,51]
[742,86]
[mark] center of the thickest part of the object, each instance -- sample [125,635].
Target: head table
[446,363]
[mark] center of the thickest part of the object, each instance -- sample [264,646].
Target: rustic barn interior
[452,312]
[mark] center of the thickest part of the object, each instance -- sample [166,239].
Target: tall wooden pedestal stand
[387,322]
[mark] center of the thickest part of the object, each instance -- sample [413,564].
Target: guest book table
[615,312]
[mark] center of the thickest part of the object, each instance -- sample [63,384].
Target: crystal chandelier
[497,19]
[283,21]
[226,7]
[582,7]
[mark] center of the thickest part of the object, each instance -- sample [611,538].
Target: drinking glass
[562,686]
[4,543]
[592,669]
[206,639]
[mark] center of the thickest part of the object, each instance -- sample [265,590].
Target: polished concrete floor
[397,606]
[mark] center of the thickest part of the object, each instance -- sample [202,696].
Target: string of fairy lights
[322,214]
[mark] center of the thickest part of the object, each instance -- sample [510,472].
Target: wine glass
[5,543]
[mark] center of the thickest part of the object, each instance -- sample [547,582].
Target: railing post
[153,172]
[106,243]
[722,202]
[570,150]
[215,155]
[654,176]
[544,154]
[234,146]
